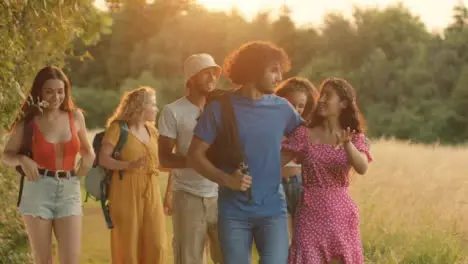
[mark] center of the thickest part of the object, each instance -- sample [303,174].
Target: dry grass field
[413,206]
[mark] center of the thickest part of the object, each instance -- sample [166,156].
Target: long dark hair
[350,116]
[31,107]
[299,84]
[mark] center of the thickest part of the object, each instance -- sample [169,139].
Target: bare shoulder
[79,119]
[17,129]
[19,125]
[15,139]
[78,115]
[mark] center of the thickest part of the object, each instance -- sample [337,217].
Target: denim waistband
[294,178]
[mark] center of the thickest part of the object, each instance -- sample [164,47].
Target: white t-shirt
[177,121]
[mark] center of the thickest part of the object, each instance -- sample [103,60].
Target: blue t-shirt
[262,124]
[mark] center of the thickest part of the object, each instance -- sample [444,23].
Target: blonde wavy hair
[132,105]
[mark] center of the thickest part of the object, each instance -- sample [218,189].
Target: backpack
[98,179]
[216,153]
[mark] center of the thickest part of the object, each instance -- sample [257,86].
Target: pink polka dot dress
[327,220]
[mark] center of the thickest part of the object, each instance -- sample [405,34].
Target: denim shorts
[49,198]
[293,192]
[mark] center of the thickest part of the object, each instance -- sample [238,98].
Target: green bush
[13,238]
[167,89]
[34,34]
[97,104]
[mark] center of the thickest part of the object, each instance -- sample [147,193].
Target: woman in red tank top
[51,197]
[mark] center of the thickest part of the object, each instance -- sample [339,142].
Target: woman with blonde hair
[136,207]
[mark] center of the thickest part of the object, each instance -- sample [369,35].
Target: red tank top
[44,152]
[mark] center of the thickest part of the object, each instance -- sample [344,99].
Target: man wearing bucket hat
[194,198]
[252,204]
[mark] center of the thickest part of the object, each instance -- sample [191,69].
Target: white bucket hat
[198,62]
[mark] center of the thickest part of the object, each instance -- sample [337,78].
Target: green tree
[405,76]
[34,34]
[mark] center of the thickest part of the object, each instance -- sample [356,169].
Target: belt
[57,173]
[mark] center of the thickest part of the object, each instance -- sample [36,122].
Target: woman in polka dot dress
[333,144]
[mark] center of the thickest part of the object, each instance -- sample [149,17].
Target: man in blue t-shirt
[263,119]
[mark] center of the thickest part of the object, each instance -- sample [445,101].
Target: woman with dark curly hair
[327,222]
[302,95]
[251,202]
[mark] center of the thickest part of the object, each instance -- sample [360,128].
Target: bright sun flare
[217,4]
[436,15]
[247,7]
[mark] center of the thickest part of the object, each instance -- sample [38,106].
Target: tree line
[411,83]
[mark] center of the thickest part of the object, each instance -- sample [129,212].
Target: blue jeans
[293,192]
[270,234]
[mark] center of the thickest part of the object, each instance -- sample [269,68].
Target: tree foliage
[411,83]
[33,34]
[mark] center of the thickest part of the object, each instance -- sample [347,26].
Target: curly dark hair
[350,116]
[300,84]
[247,64]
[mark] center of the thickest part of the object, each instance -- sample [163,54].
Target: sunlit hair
[350,116]
[32,104]
[247,64]
[132,105]
[302,85]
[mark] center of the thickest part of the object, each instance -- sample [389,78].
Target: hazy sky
[436,14]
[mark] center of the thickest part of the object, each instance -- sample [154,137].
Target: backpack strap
[104,185]
[229,116]
[26,146]
[120,143]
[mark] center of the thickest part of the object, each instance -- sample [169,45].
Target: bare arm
[163,169]
[166,157]
[107,148]
[169,183]
[357,159]
[86,150]
[197,160]
[287,172]
[286,157]
[168,195]
[11,158]
[107,161]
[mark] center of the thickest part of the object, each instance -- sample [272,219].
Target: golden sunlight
[218,4]
[247,7]
[436,15]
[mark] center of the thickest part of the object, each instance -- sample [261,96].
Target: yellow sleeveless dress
[136,208]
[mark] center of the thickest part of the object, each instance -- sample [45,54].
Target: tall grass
[413,207]
[413,204]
